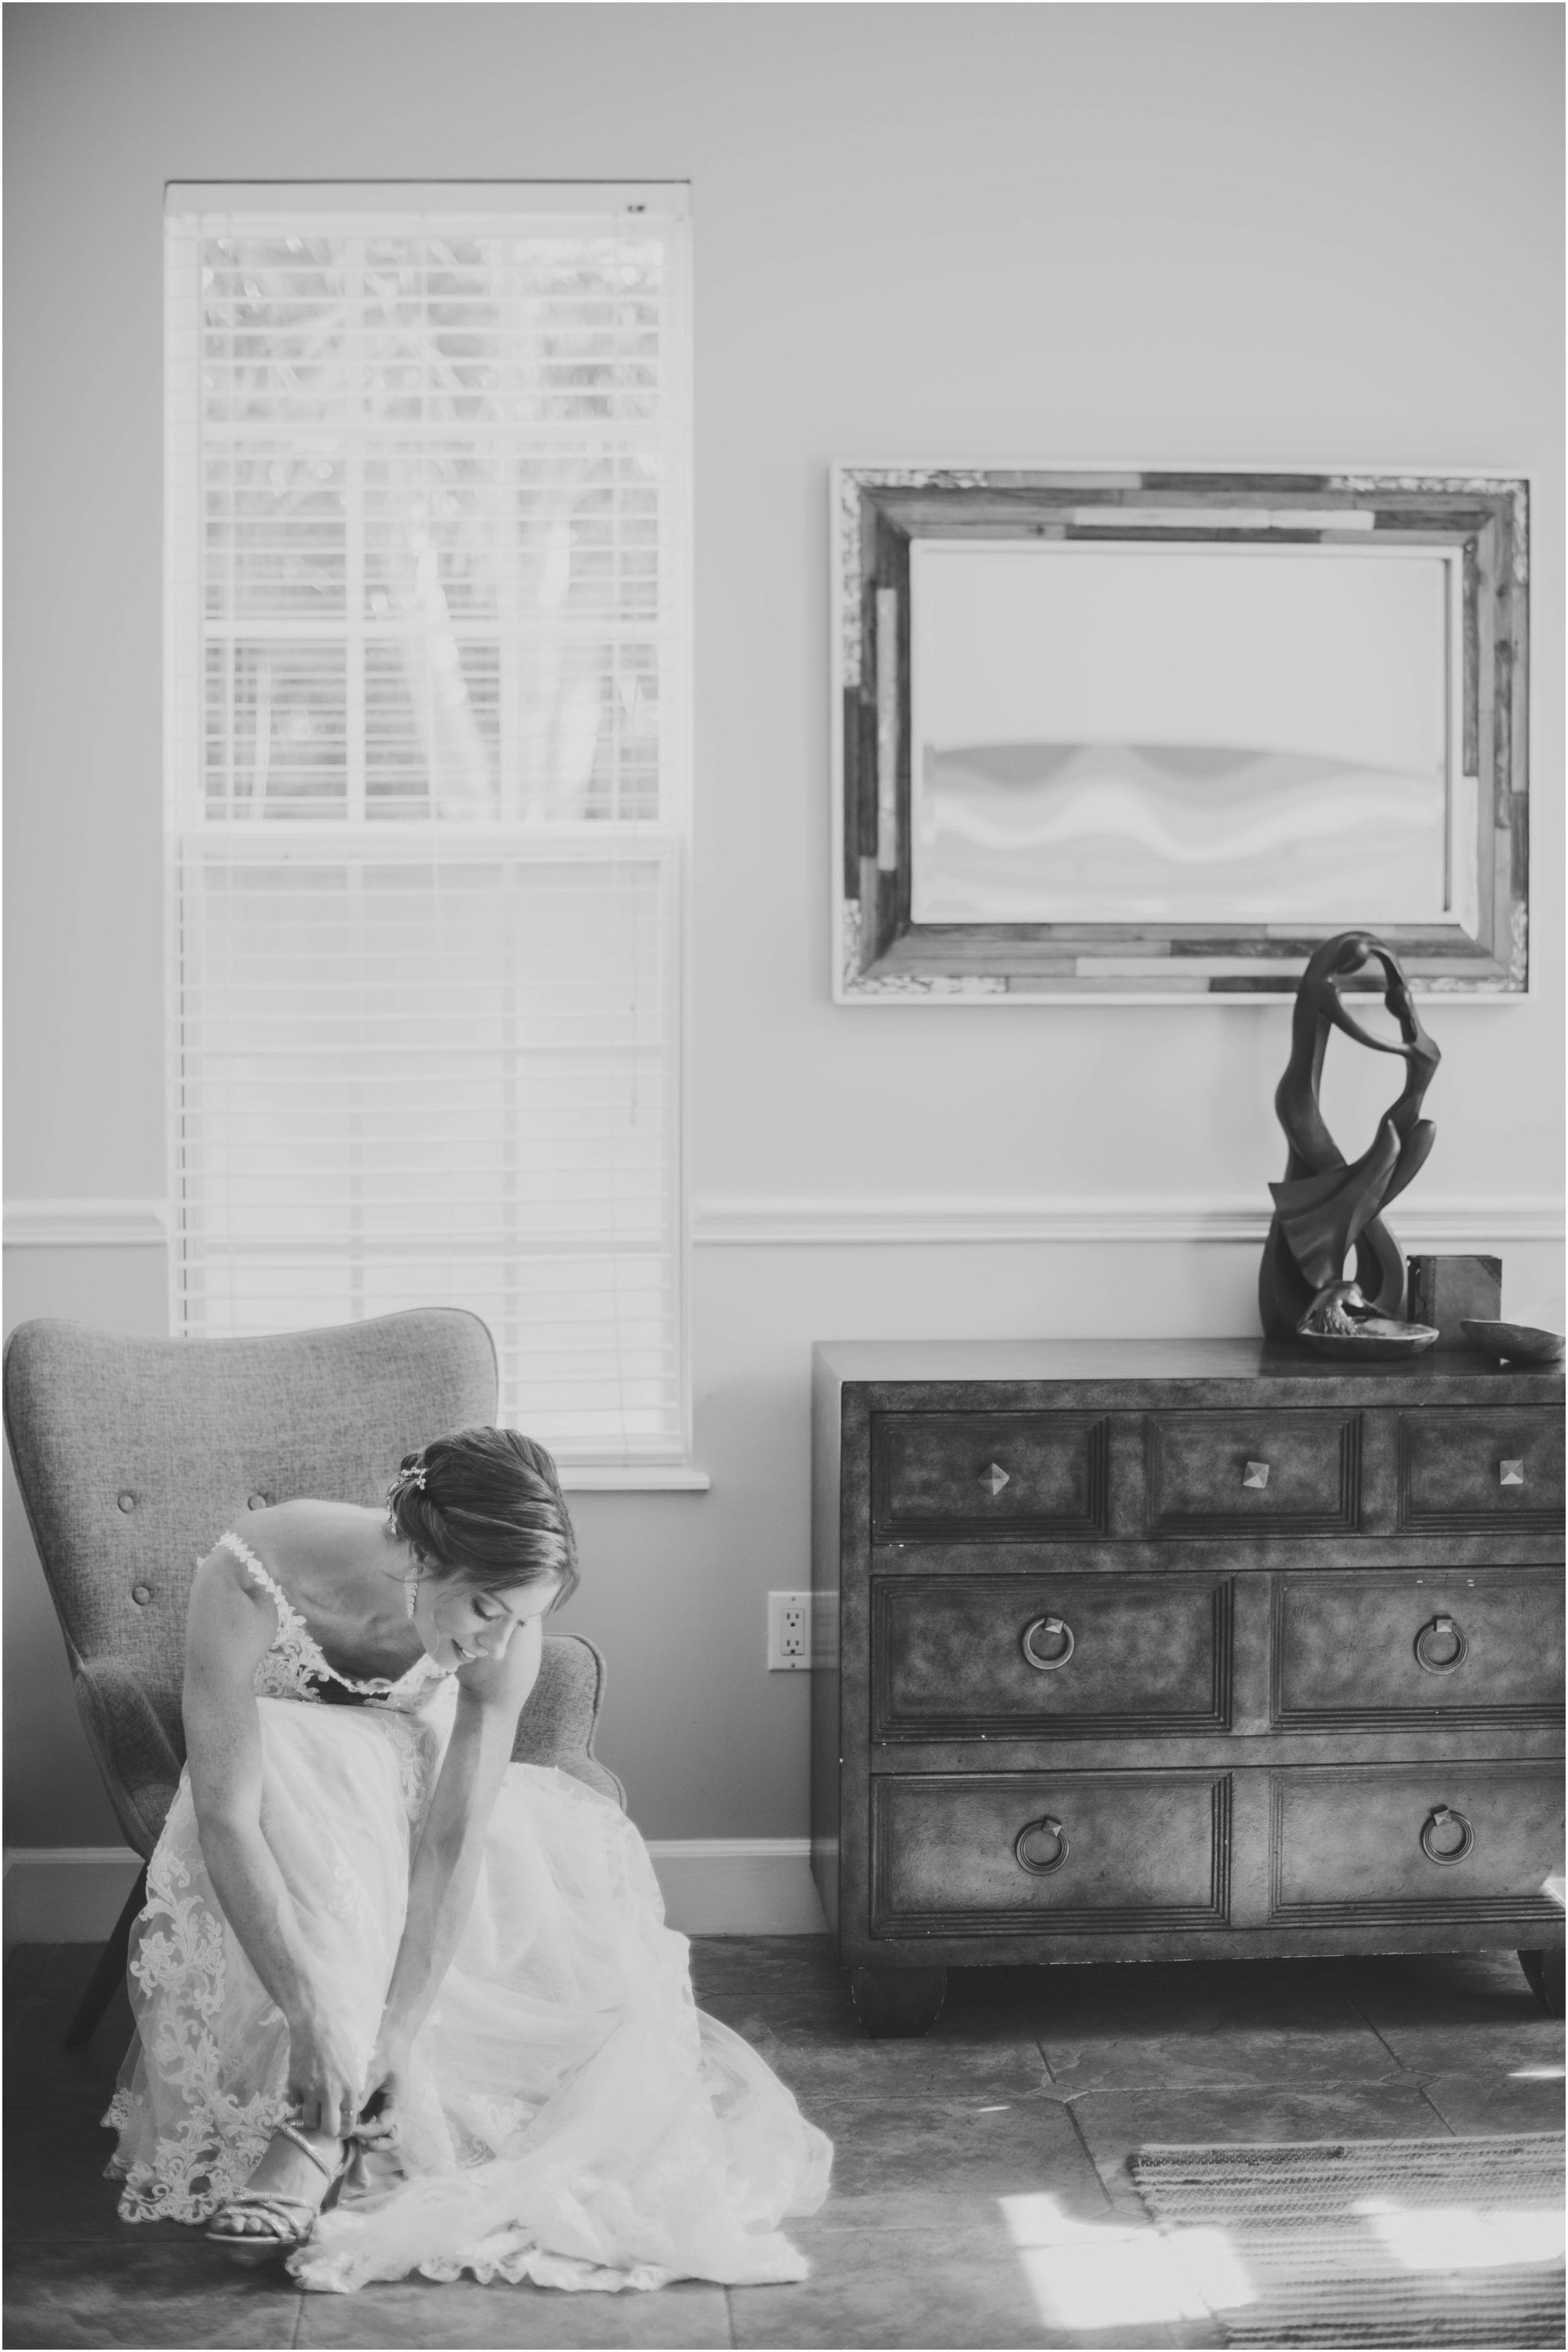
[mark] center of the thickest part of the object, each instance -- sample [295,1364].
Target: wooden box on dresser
[1134,1649]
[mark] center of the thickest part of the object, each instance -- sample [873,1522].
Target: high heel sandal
[283,2234]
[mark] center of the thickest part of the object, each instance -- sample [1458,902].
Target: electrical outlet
[789,1632]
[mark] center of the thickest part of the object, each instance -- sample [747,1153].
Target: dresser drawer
[963,1474]
[1481,1470]
[1264,1473]
[1397,1649]
[1403,1842]
[1003,1658]
[1090,1850]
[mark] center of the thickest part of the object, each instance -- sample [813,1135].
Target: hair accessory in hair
[403,1481]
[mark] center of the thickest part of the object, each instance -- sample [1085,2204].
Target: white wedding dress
[572,2118]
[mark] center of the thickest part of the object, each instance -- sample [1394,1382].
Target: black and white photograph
[785,898]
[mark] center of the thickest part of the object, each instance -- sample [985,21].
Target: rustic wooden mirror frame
[881,954]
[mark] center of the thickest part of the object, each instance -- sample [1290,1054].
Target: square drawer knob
[992,1478]
[1511,1473]
[1256,1474]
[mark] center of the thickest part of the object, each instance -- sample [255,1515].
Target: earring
[411,1590]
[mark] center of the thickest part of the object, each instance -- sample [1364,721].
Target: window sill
[648,1478]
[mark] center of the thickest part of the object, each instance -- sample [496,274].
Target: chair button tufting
[141,1594]
[256,1502]
[127,1502]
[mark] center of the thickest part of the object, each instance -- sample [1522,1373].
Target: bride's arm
[446,1870]
[227,1634]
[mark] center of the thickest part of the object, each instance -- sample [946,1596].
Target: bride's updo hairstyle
[486,1504]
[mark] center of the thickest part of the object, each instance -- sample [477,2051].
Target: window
[427,655]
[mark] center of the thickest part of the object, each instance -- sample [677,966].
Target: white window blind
[427,651]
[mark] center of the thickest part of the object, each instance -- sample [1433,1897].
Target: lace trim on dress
[296,1659]
[217,2140]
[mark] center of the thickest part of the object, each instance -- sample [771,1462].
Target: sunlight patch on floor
[1103,2274]
[1458,2238]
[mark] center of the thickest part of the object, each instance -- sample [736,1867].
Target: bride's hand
[385,2087]
[323,2076]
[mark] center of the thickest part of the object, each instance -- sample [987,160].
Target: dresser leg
[1544,1970]
[897,2001]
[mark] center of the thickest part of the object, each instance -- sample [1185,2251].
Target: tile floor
[980,2196]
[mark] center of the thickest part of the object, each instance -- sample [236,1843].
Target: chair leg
[110,1969]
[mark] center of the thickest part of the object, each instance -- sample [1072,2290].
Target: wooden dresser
[1134,1649]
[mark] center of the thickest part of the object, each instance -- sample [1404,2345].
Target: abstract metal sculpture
[1326,1207]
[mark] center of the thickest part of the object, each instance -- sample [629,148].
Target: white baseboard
[712,1886]
[738,1887]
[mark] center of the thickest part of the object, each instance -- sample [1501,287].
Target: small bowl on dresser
[1514,1343]
[1380,1340]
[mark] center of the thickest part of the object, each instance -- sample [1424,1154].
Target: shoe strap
[317,2159]
[269,2208]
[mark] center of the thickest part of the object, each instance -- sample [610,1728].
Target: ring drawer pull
[1443,1817]
[1046,1826]
[1059,1630]
[1256,1474]
[1440,1629]
[1511,1473]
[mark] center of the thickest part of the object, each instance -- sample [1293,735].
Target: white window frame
[185,654]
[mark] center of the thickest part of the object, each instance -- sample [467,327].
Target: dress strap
[295,1638]
[288,1617]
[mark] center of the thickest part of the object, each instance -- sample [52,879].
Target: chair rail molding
[758,1221]
[856,1219]
[85,1224]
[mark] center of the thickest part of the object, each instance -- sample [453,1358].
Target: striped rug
[1430,2242]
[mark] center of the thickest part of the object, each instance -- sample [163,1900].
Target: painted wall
[1244,235]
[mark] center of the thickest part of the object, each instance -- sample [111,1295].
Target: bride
[379,1958]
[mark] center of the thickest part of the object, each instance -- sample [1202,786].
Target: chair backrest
[134,1456]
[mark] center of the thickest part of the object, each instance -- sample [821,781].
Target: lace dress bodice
[294,1666]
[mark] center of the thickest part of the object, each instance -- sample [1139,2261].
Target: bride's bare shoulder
[275,1537]
[311,1546]
[259,1539]
[305,1523]
[294,1544]
[304,1511]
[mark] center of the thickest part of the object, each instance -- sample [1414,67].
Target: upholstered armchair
[134,1456]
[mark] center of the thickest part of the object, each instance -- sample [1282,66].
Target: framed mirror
[1137,735]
